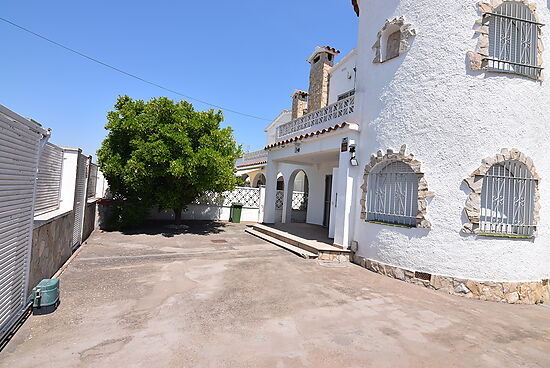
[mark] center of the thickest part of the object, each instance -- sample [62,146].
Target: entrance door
[328,191]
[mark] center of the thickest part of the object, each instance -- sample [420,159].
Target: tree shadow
[167,229]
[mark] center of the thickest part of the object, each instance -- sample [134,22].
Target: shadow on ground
[168,229]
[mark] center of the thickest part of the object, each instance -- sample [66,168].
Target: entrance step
[299,251]
[323,251]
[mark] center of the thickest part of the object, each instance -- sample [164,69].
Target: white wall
[205,212]
[450,118]
[68,178]
[342,77]
[271,130]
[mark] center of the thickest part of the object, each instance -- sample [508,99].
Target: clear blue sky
[244,55]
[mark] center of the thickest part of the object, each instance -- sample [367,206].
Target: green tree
[166,154]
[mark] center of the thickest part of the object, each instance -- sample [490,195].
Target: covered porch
[310,180]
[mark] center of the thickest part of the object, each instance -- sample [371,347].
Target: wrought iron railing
[328,113]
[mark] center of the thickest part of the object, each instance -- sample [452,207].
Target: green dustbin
[236,210]
[45,296]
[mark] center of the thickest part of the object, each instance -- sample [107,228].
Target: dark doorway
[328,191]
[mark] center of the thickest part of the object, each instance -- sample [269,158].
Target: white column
[68,178]
[261,210]
[343,209]
[287,201]
[272,168]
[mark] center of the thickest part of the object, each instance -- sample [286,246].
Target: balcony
[329,115]
[251,158]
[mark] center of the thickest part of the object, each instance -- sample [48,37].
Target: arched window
[508,200]
[513,40]
[392,195]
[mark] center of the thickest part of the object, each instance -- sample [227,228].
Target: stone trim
[475,183]
[423,192]
[477,58]
[407,32]
[529,292]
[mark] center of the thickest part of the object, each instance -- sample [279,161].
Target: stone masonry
[321,62]
[299,104]
[533,292]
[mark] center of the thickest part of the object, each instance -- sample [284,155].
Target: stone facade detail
[322,61]
[299,104]
[392,26]
[51,247]
[533,292]
[475,183]
[423,192]
[477,58]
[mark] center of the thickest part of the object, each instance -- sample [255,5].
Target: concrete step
[321,250]
[296,250]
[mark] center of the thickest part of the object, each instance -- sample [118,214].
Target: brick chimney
[299,104]
[322,60]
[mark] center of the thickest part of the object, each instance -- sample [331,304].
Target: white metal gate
[80,199]
[48,185]
[20,143]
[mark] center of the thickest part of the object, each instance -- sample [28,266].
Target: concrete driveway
[217,297]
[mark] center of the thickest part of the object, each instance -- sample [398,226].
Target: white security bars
[48,185]
[20,143]
[508,200]
[513,40]
[326,114]
[393,195]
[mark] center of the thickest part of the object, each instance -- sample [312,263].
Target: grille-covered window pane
[513,40]
[508,200]
[392,195]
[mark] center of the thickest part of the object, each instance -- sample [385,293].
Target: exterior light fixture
[353,160]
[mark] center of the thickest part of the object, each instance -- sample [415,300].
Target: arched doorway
[298,196]
[246,180]
[259,180]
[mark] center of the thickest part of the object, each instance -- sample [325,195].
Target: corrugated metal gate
[20,142]
[92,181]
[80,198]
[48,185]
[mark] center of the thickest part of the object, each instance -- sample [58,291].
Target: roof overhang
[355,4]
[312,134]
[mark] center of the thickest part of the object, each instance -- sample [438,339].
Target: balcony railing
[252,158]
[331,113]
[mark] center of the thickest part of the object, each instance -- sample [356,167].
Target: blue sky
[244,55]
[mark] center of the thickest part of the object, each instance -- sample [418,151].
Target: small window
[513,40]
[392,45]
[392,194]
[317,58]
[508,200]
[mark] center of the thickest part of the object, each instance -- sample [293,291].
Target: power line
[127,73]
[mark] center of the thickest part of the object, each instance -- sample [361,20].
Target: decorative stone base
[334,257]
[535,292]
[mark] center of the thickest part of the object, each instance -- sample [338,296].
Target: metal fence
[249,197]
[48,185]
[92,181]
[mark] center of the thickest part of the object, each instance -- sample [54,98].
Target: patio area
[214,296]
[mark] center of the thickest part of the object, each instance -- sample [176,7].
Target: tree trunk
[177,215]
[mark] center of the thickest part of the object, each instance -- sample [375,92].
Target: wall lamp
[353,160]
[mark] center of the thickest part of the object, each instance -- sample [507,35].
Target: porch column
[287,200]
[271,170]
[343,210]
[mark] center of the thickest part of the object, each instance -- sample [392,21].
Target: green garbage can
[45,296]
[236,210]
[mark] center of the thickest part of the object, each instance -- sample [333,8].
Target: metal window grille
[393,195]
[48,184]
[513,40]
[508,200]
[279,198]
[92,181]
[299,201]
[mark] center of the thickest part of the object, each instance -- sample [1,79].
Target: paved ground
[164,300]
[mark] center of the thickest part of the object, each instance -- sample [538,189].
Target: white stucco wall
[342,77]
[450,118]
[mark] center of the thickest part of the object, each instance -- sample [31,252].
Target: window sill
[506,236]
[390,224]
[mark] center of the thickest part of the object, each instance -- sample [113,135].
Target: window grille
[279,198]
[513,40]
[393,195]
[508,200]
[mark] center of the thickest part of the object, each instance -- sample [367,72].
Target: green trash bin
[236,210]
[45,296]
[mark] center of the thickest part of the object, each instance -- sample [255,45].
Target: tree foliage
[165,153]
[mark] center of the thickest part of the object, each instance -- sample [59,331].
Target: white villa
[423,150]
